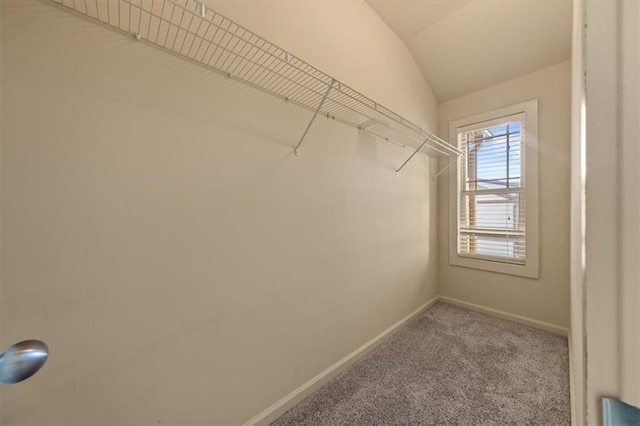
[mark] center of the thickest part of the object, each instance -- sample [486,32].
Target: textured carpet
[450,366]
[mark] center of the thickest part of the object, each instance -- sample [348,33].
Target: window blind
[491,196]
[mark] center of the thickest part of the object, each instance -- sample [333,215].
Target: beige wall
[547,298]
[183,266]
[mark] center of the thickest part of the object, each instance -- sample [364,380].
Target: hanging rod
[196,33]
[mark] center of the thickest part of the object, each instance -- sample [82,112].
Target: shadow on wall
[367,146]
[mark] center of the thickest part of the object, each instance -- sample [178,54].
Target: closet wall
[159,234]
[545,299]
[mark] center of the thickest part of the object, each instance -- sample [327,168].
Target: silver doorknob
[22,360]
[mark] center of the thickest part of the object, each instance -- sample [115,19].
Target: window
[494,191]
[491,199]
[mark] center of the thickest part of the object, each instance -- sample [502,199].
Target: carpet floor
[450,366]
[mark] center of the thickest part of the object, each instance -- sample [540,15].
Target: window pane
[491,216]
[501,211]
[491,160]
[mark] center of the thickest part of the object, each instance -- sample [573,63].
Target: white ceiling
[463,46]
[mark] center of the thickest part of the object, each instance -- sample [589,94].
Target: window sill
[528,270]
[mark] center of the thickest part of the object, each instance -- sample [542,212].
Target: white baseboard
[290,400]
[507,316]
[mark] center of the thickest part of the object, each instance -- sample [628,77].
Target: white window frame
[530,268]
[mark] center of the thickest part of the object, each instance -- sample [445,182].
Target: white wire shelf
[194,32]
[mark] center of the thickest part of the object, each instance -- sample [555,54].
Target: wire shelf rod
[371,104]
[198,34]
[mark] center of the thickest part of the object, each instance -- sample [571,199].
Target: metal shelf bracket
[445,167]
[313,118]
[412,155]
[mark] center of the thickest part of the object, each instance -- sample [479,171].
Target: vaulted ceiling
[463,46]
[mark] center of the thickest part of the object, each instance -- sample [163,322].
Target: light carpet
[450,366]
